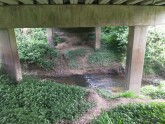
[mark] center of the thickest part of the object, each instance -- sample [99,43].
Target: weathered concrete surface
[135,57]
[9,53]
[98,37]
[33,16]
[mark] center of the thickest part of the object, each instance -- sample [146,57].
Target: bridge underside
[49,16]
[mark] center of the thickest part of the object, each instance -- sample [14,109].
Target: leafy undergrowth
[40,101]
[102,57]
[109,95]
[72,56]
[152,113]
[155,92]
[33,48]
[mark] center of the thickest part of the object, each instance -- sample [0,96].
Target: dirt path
[102,104]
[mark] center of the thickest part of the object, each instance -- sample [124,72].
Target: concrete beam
[103,1]
[73,1]
[134,1]
[146,2]
[10,1]
[50,37]
[89,1]
[1,3]
[8,49]
[58,1]
[98,37]
[118,1]
[27,1]
[135,57]
[42,1]
[33,16]
[160,2]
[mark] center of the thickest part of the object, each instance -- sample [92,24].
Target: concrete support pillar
[98,37]
[8,49]
[50,37]
[135,57]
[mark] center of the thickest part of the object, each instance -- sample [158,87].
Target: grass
[101,57]
[40,101]
[72,56]
[109,95]
[152,113]
[106,94]
[155,92]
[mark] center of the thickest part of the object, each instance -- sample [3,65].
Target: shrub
[155,92]
[34,49]
[115,37]
[155,49]
[40,101]
[152,113]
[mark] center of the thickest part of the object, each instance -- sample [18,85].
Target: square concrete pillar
[98,37]
[9,54]
[135,57]
[50,37]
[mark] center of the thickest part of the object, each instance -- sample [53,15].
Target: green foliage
[155,92]
[114,44]
[34,49]
[37,101]
[57,39]
[116,38]
[127,94]
[109,95]
[155,51]
[102,57]
[152,113]
[72,55]
[31,35]
[105,93]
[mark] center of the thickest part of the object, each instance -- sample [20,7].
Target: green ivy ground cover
[152,113]
[35,101]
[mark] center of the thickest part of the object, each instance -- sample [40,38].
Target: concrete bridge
[137,14]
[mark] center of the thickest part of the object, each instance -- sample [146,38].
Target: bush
[116,38]
[155,92]
[34,49]
[155,49]
[40,101]
[152,113]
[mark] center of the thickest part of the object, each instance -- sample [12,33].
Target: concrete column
[135,57]
[98,37]
[50,37]
[8,49]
